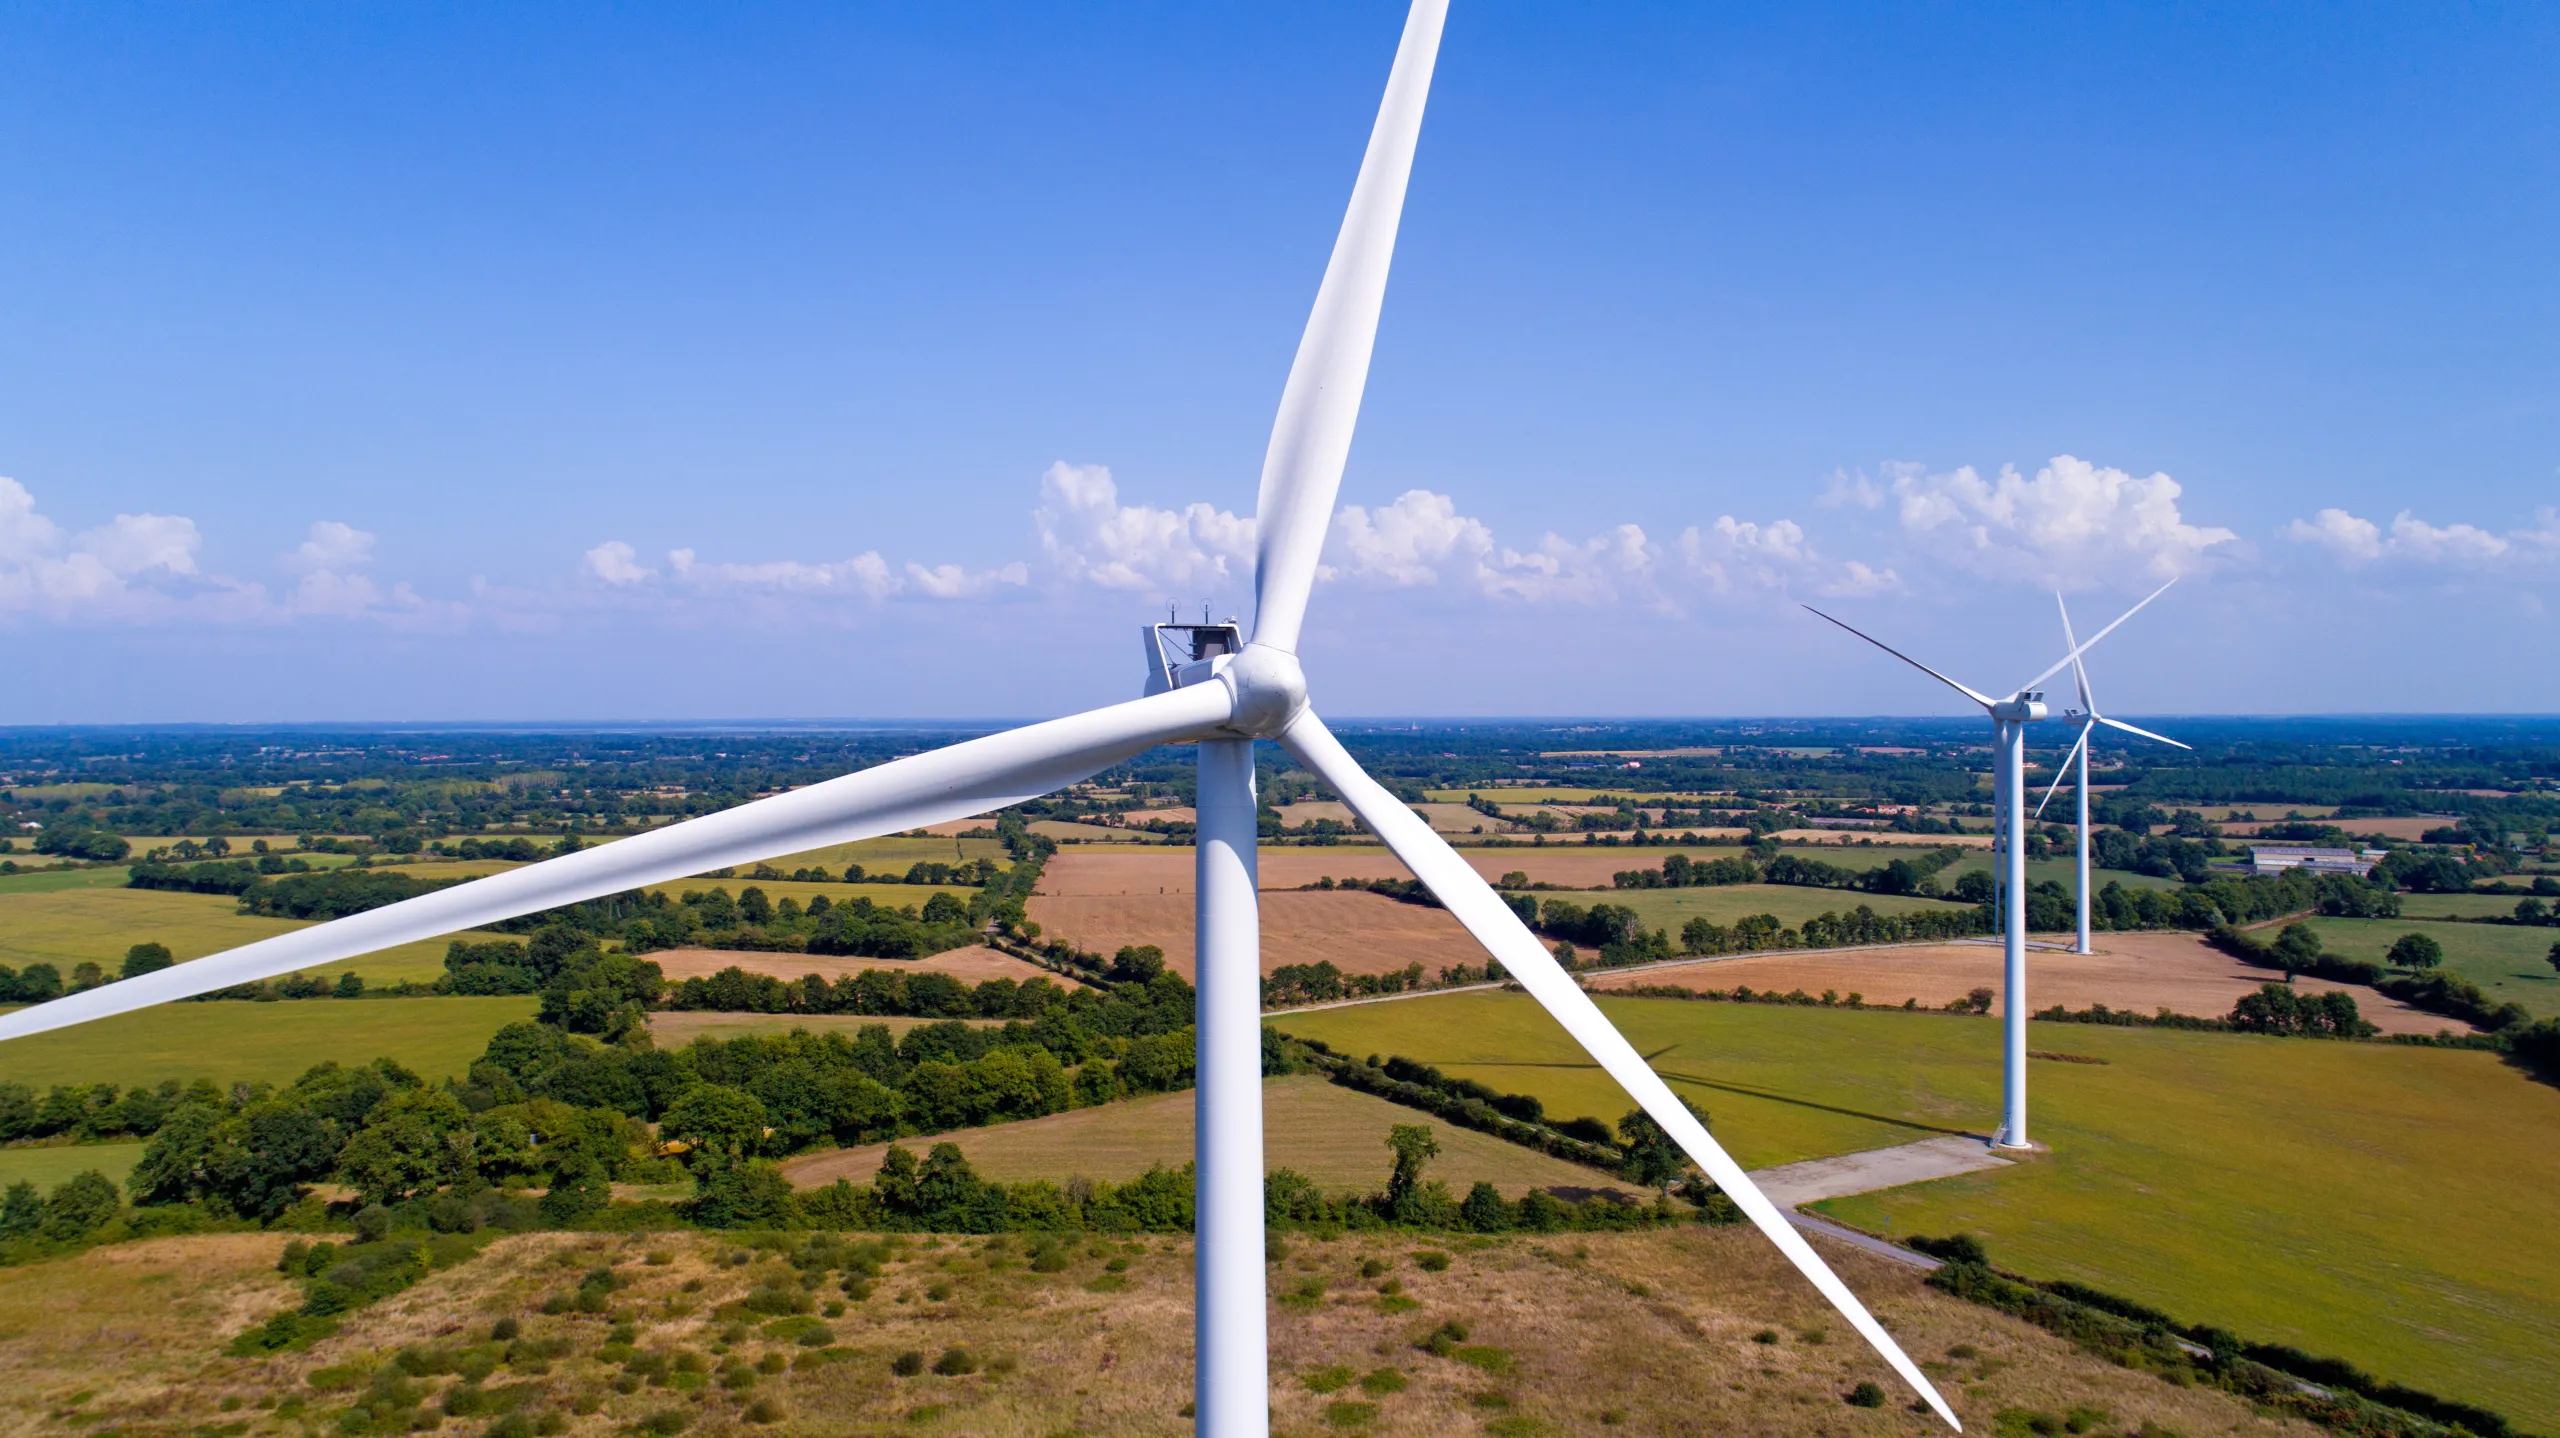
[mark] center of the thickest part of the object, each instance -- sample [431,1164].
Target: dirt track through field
[2139,972]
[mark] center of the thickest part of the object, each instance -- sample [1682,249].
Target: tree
[20,1210]
[721,1124]
[578,1188]
[413,1142]
[145,958]
[1484,1211]
[2554,956]
[80,1206]
[2416,951]
[1137,963]
[1654,1158]
[1414,1147]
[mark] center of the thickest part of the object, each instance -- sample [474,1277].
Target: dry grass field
[973,965]
[2139,972]
[1332,1135]
[1652,1334]
[1360,933]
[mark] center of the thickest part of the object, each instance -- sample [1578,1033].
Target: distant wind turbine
[2009,720]
[1224,693]
[2089,718]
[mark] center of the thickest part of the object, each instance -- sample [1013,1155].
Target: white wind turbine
[2089,718]
[1227,697]
[2009,720]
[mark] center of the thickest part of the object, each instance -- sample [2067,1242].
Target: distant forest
[400,788]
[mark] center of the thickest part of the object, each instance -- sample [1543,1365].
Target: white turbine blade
[950,783]
[1302,470]
[2077,650]
[2062,771]
[2145,733]
[1976,695]
[2079,671]
[1466,895]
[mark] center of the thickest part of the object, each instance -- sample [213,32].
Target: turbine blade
[949,783]
[2077,650]
[1976,695]
[2145,733]
[1490,920]
[2062,771]
[2079,672]
[1302,470]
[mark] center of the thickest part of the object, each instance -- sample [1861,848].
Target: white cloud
[331,546]
[2074,525]
[950,581]
[1093,538]
[615,562]
[113,572]
[1422,540]
[135,543]
[2413,541]
[1734,555]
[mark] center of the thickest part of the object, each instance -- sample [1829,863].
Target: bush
[907,1364]
[1865,1395]
[1959,1248]
[2416,951]
[955,1362]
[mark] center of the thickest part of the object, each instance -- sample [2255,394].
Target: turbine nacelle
[1267,684]
[2020,709]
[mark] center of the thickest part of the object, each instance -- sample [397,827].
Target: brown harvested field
[1849,838]
[1649,1333]
[1360,933]
[971,965]
[1083,874]
[1332,1135]
[2141,972]
[673,1029]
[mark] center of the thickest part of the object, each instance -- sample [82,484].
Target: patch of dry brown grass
[1652,1333]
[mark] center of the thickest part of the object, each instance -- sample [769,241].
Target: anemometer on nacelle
[1179,655]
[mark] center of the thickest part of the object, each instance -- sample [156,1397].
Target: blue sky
[453,362]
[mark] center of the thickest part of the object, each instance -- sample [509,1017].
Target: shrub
[1383,1381]
[907,1364]
[1432,1260]
[955,1363]
[1958,1248]
[1865,1395]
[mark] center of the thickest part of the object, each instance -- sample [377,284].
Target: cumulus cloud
[2413,541]
[2074,525]
[1093,538]
[1422,540]
[115,571]
[1733,556]
[615,562]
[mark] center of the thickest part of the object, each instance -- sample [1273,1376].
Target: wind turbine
[2089,718]
[1226,696]
[2009,720]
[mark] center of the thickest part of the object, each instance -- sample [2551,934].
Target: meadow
[54,881]
[50,1164]
[895,851]
[895,896]
[1641,1333]
[1330,1134]
[273,1043]
[2510,964]
[66,927]
[2294,1190]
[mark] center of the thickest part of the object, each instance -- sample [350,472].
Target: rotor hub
[1270,688]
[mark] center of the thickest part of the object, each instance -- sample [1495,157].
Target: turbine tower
[1227,692]
[2089,718]
[2009,720]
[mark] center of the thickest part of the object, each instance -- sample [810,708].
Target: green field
[47,1166]
[2461,906]
[229,1042]
[895,896]
[54,881]
[1724,903]
[2512,965]
[2388,1205]
[2064,871]
[897,853]
[67,927]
